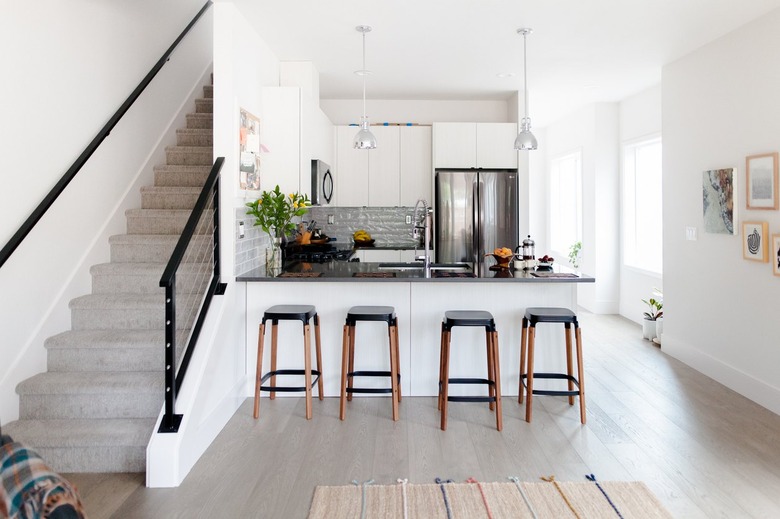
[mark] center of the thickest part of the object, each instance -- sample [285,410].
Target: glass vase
[273,255]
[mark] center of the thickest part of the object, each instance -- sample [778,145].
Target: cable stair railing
[204,221]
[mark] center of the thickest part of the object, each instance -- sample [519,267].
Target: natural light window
[642,205]
[565,202]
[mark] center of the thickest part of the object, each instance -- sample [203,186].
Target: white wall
[640,117]
[348,111]
[72,65]
[721,311]
[594,131]
[217,380]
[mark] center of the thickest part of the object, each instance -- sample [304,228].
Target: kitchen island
[420,303]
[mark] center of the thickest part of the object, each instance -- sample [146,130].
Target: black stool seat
[469,318]
[550,315]
[371,313]
[290,313]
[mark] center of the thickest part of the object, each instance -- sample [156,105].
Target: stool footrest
[451,398]
[288,389]
[552,392]
[374,390]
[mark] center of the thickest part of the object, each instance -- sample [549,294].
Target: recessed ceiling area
[580,52]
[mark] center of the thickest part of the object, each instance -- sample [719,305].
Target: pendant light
[364,140]
[525,139]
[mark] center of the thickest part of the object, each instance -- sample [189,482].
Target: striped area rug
[473,500]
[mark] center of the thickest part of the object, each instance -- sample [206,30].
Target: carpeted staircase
[94,409]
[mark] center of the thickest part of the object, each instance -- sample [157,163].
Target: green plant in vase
[574,254]
[274,212]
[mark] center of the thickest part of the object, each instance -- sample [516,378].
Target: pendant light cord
[364,75]
[525,77]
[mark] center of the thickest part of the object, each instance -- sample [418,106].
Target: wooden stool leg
[350,380]
[523,346]
[580,373]
[320,383]
[441,365]
[397,357]
[393,373]
[497,380]
[569,368]
[307,367]
[490,366]
[259,372]
[445,381]
[274,342]
[344,367]
[530,378]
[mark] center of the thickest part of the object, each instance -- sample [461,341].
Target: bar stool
[527,343]
[348,373]
[493,381]
[303,313]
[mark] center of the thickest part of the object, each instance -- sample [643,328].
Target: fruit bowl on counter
[503,257]
[362,238]
[545,263]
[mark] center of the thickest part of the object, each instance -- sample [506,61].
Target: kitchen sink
[416,265]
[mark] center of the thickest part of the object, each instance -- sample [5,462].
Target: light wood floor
[704,450]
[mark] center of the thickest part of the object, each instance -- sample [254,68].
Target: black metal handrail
[173,380]
[82,159]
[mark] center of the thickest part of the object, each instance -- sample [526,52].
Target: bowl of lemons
[362,238]
[503,257]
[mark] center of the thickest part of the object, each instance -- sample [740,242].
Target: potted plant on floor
[274,212]
[652,316]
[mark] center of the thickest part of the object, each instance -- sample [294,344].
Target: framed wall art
[776,254]
[761,176]
[755,241]
[249,152]
[718,201]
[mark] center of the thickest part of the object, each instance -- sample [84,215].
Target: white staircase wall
[71,88]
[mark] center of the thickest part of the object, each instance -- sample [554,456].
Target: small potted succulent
[652,316]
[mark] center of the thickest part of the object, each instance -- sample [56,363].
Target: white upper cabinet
[397,172]
[384,167]
[280,134]
[474,145]
[415,165]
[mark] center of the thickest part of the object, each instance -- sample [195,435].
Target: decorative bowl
[364,243]
[502,262]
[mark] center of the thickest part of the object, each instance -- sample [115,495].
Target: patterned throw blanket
[30,489]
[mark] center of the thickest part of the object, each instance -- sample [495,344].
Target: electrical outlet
[690,233]
[331,219]
[240,230]
[408,219]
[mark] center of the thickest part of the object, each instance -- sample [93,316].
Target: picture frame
[755,241]
[719,201]
[761,181]
[249,152]
[776,254]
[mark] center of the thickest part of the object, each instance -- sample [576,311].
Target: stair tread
[118,301]
[158,212]
[103,339]
[196,131]
[142,269]
[63,433]
[95,382]
[189,149]
[172,189]
[182,168]
[139,239]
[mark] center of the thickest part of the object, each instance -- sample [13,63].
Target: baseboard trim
[746,385]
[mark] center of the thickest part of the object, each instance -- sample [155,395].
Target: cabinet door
[381,256]
[495,145]
[384,167]
[416,167]
[454,145]
[280,133]
[351,180]
[407,255]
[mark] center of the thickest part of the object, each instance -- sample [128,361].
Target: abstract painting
[755,242]
[249,152]
[718,200]
[762,181]
[776,254]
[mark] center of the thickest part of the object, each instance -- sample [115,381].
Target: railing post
[170,421]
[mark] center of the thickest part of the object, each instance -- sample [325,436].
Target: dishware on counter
[545,263]
[503,257]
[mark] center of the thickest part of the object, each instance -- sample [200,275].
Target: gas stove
[324,253]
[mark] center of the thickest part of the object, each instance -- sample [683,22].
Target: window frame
[560,157]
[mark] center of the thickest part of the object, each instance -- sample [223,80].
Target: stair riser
[168,201]
[109,405]
[180,178]
[146,284]
[194,139]
[208,91]
[157,252]
[190,157]
[108,359]
[200,121]
[125,318]
[95,459]
[204,106]
[162,225]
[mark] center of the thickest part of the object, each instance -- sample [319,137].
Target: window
[642,205]
[565,202]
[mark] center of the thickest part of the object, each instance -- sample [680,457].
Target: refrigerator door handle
[481,221]
[475,222]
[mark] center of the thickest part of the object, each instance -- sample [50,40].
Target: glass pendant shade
[525,139]
[364,140]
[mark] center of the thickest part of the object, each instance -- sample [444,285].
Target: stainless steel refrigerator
[476,211]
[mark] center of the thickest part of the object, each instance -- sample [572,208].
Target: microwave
[321,183]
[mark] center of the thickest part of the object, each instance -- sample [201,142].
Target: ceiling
[581,51]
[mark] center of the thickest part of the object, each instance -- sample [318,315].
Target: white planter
[649,329]
[659,328]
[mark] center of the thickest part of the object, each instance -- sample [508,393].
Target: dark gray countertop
[363,271]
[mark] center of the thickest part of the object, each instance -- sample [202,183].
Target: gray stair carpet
[94,408]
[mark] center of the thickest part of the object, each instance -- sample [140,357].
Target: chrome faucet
[423,221]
